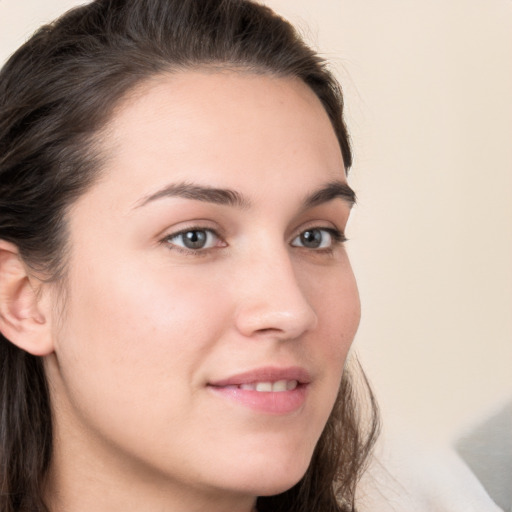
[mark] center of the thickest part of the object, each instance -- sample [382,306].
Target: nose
[271,301]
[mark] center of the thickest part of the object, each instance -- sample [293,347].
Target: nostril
[271,301]
[268,330]
[265,319]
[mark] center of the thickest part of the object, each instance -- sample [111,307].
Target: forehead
[230,129]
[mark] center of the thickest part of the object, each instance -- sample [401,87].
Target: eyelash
[337,238]
[168,240]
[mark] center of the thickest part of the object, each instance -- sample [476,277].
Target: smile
[267,387]
[275,391]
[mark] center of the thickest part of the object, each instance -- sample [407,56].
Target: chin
[273,477]
[275,488]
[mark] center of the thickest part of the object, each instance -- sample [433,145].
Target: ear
[23,319]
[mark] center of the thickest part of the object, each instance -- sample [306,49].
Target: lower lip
[280,402]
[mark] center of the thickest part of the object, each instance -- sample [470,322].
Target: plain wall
[428,89]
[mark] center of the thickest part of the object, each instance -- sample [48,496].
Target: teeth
[267,387]
[280,385]
[264,386]
[291,385]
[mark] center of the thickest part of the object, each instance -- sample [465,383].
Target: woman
[176,303]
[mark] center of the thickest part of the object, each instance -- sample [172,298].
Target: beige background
[428,87]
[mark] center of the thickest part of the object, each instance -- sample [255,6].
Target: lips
[269,387]
[266,375]
[266,390]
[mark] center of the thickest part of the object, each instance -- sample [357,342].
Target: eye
[193,239]
[318,238]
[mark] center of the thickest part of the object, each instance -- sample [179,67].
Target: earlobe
[23,320]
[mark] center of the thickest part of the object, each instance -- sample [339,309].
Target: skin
[147,324]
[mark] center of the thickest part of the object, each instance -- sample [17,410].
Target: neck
[102,492]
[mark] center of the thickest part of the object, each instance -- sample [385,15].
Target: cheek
[127,330]
[131,350]
[336,300]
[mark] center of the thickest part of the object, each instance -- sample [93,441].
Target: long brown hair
[56,92]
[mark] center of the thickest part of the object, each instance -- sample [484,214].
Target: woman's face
[210,303]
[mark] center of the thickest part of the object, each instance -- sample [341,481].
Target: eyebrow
[198,193]
[333,190]
[228,197]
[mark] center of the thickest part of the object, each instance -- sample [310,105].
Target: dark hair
[56,92]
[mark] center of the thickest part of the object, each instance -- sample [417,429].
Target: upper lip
[265,374]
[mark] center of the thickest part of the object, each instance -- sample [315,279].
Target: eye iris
[194,239]
[311,238]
